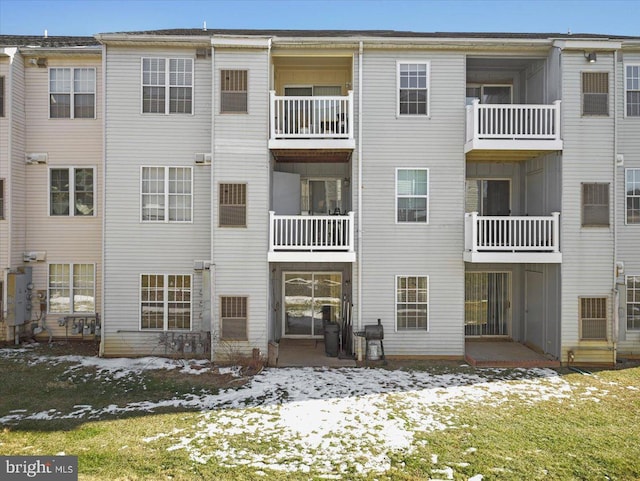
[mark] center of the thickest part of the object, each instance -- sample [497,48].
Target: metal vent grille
[233,87]
[233,312]
[595,93]
[233,205]
[593,318]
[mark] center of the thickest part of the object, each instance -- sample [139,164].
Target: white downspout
[8,190]
[104,194]
[616,319]
[212,270]
[359,253]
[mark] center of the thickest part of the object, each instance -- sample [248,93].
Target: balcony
[506,239]
[323,122]
[318,238]
[525,129]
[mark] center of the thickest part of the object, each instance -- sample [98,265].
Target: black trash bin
[331,341]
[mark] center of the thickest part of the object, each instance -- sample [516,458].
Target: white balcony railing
[311,233]
[311,117]
[513,122]
[512,234]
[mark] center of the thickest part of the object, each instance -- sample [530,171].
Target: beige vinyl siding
[628,236]
[134,139]
[241,156]
[587,263]
[433,249]
[68,143]
[5,71]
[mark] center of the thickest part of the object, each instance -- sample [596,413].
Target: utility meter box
[19,297]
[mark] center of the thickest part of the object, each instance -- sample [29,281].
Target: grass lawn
[432,423]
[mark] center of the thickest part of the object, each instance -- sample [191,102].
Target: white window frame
[627,196]
[165,303]
[396,303]
[427,64]
[397,196]
[167,195]
[635,303]
[3,197]
[72,92]
[72,191]
[167,85]
[71,287]
[626,89]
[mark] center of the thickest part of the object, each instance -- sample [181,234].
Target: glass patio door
[311,299]
[487,303]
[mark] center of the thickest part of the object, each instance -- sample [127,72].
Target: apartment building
[252,186]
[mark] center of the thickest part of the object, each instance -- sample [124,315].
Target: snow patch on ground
[326,422]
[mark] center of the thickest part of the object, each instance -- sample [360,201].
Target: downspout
[271,301]
[104,193]
[359,252]
[212,270]
[616,293]
[9,183]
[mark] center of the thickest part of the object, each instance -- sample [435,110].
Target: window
[412,303]
[165,301]
[632,182]
[1,96]
[233,88]
[413,88]
[167,85]
[233,205]
[633,302]
[71,191]
[1,198]
[233,318]
[164,187]
[595,93]
[595,205]
[72,93]
[412,195]
[72,288]
[593,318]
[632,88]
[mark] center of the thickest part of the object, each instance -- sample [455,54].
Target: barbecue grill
[373,335]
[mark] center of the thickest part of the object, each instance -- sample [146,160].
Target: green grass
[558,439]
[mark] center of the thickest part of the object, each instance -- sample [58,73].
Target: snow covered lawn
[326,422]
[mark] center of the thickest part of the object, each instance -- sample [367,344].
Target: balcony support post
[556,231]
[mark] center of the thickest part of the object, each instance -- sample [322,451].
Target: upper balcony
[312,123]
[316,238]
[527,129]
[512,239]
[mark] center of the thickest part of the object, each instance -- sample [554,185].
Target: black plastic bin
[331,340]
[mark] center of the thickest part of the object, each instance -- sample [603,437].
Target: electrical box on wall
[19,297]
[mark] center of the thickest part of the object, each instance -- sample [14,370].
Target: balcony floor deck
[504,354]
[307,353]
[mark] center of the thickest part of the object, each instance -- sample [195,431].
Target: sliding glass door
[311,299]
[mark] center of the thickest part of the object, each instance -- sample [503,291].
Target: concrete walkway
[505,354]
[307,353]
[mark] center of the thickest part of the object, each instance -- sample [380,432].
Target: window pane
[179,302]
[60,106]
[83,288]
[233,88]
[412,302]
[180,100]
[633,302]
[153,198]
[633,196]
[59,192]
[413,89]
[83,106]
[595,93]
[152,301]
[83,192]
[595,205]
[232,205]
[153,100]
[59,288]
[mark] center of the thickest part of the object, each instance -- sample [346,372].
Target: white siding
[628,236]
[241,156]
[132,248]
[587,266]
[434,250]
